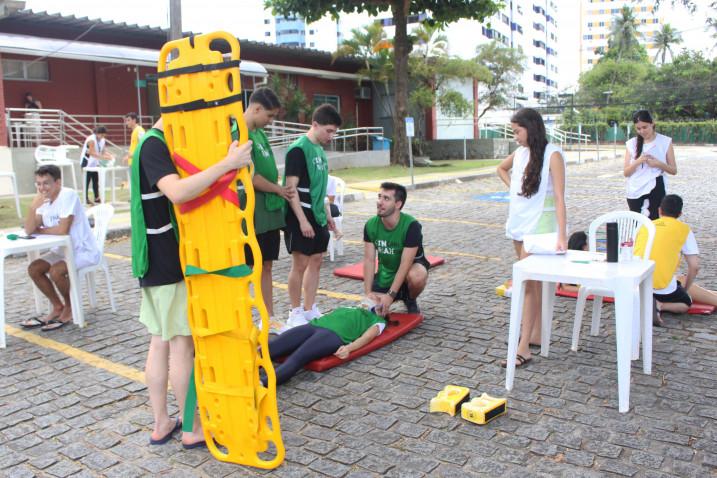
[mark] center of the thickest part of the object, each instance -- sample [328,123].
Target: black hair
[671,205]
[132,116]
[266,98]
[100,130]
[645,117]
[326,114]
[531,120]
[49,170]
[399,191]
[578,241]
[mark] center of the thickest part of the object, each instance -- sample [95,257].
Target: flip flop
[35,322]
[54,324]
[192,446]
[168,436]
[521,361]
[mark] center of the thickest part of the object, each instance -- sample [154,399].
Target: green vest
[349,323]
[389,246]
[317,166]
[140,254]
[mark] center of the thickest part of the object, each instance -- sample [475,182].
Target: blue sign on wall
[500,196]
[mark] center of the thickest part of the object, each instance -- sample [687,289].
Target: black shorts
[403,290]
[268,245]
[296,242]
[680,295]
[654,199]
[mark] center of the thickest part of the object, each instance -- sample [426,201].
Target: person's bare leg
[700,294]
[674,307]
[181,358]
[156,373]
[530,304]
[299,263]
[311,279]
[58,274]
[416,279]
[267,288]
[535,307]
[537,314]
[38,270]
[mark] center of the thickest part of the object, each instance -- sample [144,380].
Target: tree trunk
[401,49]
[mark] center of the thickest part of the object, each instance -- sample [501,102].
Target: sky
[241,18]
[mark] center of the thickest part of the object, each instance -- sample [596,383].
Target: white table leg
[2,303]
[113,186]
[516,316]
[636,324]
[17,197]
[102,181]
[78,317]
[546,321]
[624,296]
[646,306]
[84,188]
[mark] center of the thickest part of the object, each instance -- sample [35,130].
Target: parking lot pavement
[72,402]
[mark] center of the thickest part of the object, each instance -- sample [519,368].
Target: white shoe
[296,318]
[314,313]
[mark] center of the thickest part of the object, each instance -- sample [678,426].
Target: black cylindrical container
[612,241]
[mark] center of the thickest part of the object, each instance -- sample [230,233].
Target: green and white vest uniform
[317,165]
[389,246]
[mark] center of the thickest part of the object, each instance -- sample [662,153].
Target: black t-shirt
[164,266]
[295,165]
[414,237]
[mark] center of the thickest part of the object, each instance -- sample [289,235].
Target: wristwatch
[392,294]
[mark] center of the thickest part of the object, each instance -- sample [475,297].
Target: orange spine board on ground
[200,91]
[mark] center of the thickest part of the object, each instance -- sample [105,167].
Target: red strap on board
[219,188]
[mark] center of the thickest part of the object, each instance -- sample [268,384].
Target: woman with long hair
[535,174]
[648,156]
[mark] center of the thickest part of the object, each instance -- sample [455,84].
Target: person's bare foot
[162,428]
[192,438]
[66,315]
[55,313]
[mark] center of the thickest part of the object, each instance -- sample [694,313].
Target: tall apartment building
[597,18]
[323,34]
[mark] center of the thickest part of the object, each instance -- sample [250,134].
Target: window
[312,45]
[487,32]
[32,70]
[539,78]
[590,24]
[330,99]
[267,21]
[519,9]
[504,18]
[267,34]
[311,32]
[538,61]
[590,61]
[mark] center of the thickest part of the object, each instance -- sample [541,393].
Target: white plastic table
[33,247]
[623,278]
[102,173]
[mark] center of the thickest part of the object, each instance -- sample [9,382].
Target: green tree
[443,12]
[664,40]
[624,36]
[370,45]
[504,66]
[294,105]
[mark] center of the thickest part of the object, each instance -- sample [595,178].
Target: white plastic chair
[628,225]
[11,175]
[103,215]
[337,245]
[57,156]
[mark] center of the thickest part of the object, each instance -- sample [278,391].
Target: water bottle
[612,241]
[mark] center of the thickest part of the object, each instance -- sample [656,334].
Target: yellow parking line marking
[77,354]
[327,293]
[117,256]
[430,219]
[448,253]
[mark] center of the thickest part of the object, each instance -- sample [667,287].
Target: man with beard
[397,239]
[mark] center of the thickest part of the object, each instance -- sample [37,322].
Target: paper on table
[541,243]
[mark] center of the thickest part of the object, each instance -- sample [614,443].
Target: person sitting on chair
[672,239]
[57,210]
[397,239]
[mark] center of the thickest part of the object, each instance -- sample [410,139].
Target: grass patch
[354,175]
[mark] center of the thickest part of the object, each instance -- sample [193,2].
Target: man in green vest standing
[155,262]
[270,204]
[308,219]
[397,239]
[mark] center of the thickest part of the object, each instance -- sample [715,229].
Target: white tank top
[524,213]
[644,178]
[99,147]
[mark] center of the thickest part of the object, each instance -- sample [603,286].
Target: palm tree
[624,35]
[429,42]
[664,40]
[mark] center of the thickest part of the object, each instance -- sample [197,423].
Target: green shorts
[164,310]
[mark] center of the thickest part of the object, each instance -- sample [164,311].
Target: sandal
[54,325]
[35,322]
[521,361]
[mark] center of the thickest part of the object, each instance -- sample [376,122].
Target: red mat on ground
[355,271]
[399,325]
[696,309]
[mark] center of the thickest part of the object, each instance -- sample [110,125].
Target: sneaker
[296,318]
[412,306]
[314,313]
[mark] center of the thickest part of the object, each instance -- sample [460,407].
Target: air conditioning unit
[362,93]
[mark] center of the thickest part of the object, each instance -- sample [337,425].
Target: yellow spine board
[237,412]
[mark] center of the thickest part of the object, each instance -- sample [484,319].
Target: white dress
[524,213]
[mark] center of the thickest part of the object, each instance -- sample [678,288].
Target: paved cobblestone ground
[62,417]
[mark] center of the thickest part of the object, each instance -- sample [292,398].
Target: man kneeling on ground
[57,210]
[402,265]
